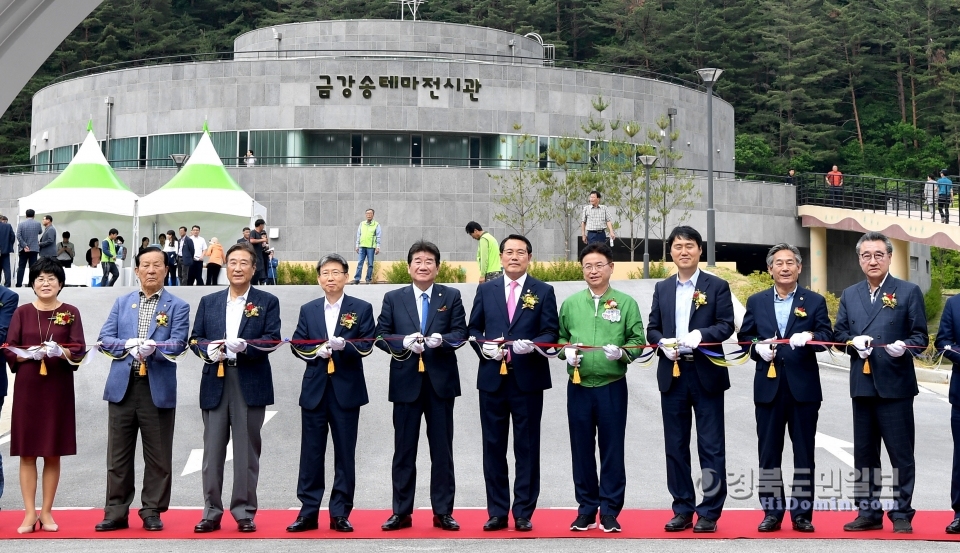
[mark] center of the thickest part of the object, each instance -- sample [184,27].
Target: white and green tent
[203,193]
[87,199]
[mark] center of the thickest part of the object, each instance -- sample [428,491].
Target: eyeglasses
[589,267]
[424,263]
[866,257]
[334,274]
[518,253]
[50,280]
[781,263]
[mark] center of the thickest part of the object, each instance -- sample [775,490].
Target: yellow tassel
[43,368]
[421,369]
[330,368]
[220,370]
[866,366]
[143,368]
[503,366]
[576,375]
[676,369]
[772,371]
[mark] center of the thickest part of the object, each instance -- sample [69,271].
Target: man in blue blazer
[948,341]
[141,390]
[889,312]
[332,393]
[786,384]
[236,386]
[421,326]
[520,309]
[689,308]
[8,304]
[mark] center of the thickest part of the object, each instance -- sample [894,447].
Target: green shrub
[397,273]
[556,271]
[376,271]
[933,299]
[833,306]
[294,273]
[657,270]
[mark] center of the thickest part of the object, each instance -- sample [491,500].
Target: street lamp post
[647,162]
[710,75]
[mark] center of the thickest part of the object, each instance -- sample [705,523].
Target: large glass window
[60,157]
[225,143]
[386,149]
[42,161]
[446,150]
[160,147]
[124,153]
[327,148]
[277,147]
[511,149]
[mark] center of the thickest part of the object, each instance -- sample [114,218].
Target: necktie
[424,309]
[512,300]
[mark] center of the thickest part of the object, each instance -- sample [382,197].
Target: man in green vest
[368,245]
[108,258]
[488,252]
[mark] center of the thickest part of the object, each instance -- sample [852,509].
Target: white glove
[412,342]
[862,345]
[337,343]
[53,349]
[146,348]
[492,351]
[612,352]
[325,351]
[766,351]
[573,359]
[522,347]
[236,345]
[691,340]
[37,354]
[800,339]
[213,351]
[896,349]
[669,348]
[131,343]
[433,341]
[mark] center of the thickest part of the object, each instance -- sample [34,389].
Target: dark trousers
[954,481]
[890,420]
[110,274]
[438,412]
[596,236]
[342,424]
[943,206]
[22,261]
[496,410]
[5,268]
[786,414]
[213,274]
[137,414]
[195,274]
[685,399]
[1,456]
[182,273]
[836,196]
[600,412]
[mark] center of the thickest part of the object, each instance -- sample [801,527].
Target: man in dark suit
[236,386]
[8,304]
[689,308]
[883,383]
[333,391]
[948,340]
[421,326]
[28,236]
[519,309]
[786,384]
[185,253]
[7,237]
[141,390]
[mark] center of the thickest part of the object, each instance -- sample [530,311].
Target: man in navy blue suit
[421,326]
[948,340]
[185,254]
[511,378]
[332,393]
[142,400]
[236,386]
[8,304]
[6,248]
[786,384]
[883,383]
[689,308]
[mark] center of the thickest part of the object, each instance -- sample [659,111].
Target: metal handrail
[892,196]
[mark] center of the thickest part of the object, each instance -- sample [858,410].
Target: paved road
[83,479]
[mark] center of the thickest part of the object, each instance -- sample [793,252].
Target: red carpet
[548,523]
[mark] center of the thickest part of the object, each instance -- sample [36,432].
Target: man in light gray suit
[28,236]
[48,239]
[142,391]
[883,317]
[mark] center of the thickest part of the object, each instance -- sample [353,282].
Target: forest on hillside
[870,85]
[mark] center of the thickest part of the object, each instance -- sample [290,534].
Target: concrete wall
[844,269]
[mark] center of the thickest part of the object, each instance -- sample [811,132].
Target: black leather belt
[230,362]
[135,369]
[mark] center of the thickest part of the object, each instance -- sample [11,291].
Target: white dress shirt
[199,246]
[873,294]
[419,301]
[330,312]
[684,302]
[506,287]
[235,317]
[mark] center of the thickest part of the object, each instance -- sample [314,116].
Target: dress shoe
[495,523]
[583,523]
[29,529]
[109,525]
[705,526]
[396,522]
[246,525]
[679,523]
[445,522]
[340,524]
[522,525]
[608,523]
[802,525]
[302,524]
[206,525]
[152,524]
[860,524]
[769,523]
[954,527]
[902,526]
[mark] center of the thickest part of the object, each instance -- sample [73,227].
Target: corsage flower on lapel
[63,318]
[528,301]
[251,310]
[889,300]
[800,312]
[611,312]
[699,299]
[162,319]
[347,320]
